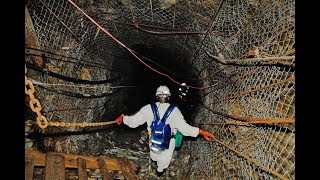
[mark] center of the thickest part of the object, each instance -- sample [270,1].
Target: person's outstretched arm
[188,130]
[180,123]
[137,119]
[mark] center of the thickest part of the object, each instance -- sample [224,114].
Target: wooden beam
[29,168]
[32,41]
[82,169]
[55,169]
[127,169]
[71,161]
[104,171]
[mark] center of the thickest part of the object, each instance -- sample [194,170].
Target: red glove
[119,119]
[207,135]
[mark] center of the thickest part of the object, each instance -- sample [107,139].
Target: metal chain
[34,103]
[73,124]
[41,120]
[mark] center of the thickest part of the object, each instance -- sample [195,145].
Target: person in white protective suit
[175,120]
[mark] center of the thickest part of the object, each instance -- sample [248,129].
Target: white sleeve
[180,123]
[139,118]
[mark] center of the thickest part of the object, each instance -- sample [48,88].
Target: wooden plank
[128,171]
[29,168]
[82,169]
[103,169]
[55,169]
[71,160]
[32,41]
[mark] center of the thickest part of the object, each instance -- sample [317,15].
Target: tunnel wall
[264,92]
[243,49]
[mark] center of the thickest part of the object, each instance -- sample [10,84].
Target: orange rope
[248,119]
[131,51]
[292,78]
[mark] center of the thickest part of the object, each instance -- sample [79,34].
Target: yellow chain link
[69,124]
[41,120]
[34,103]
[82,124]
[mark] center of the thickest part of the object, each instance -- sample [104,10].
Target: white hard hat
[163,90]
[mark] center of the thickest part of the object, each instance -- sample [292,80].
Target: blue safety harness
[160,132]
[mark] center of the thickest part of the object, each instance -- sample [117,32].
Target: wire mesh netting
[245,48]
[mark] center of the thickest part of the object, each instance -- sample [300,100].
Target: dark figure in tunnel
[161,154]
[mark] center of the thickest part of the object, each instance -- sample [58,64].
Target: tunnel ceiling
[93,60]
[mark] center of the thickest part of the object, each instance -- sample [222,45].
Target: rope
[73,124]
[253,161]
[41,120]
[131,51]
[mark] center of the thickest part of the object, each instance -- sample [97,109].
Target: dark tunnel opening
[146,81]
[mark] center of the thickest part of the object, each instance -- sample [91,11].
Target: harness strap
[168,112]
[155,112]
[157,116]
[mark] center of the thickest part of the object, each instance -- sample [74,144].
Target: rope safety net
[245,48]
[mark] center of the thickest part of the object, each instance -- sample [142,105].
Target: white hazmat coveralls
[176,122]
